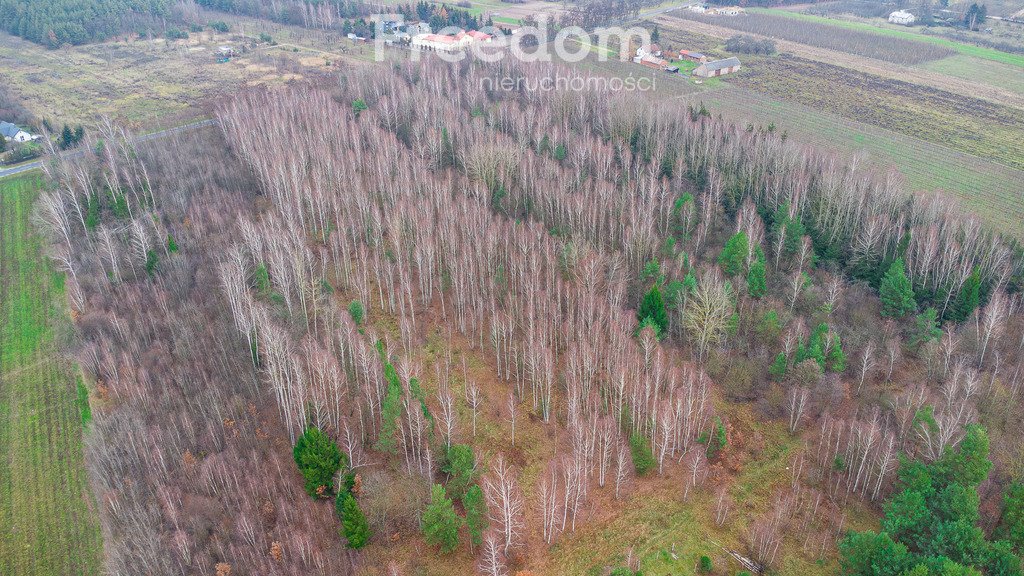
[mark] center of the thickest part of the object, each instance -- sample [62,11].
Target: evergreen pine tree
[756,285]
[896,292]
[476,514]
[836,357]
[440,522]
[778,367]
[318,459]
[967,300]
[653,307]
[354,526]
[734,256]
[926,328]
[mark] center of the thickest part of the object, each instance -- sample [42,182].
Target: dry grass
[145,84]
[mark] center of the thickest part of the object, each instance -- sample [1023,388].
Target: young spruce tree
[440,522]
[896,292]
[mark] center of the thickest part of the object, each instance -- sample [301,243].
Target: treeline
[308,13]
[54,23]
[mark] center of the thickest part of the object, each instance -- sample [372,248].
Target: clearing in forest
[47,516]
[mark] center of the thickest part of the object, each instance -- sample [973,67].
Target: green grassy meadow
[48,522]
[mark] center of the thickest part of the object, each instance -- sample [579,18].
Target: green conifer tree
[734,256]
[896,292]
[354,526]
[318,459]
[756,284]
[440,522]
[968,299]
[778,367]
[653,307]
[476,514]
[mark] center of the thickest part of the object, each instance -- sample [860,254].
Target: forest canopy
[54,23]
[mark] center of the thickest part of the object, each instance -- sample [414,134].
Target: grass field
[141,83]
[992,191]
[959,121]
[903,33]
[1006,76]
[47,515]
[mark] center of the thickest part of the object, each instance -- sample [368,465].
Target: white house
[902,17]
[698,8]
[12,132]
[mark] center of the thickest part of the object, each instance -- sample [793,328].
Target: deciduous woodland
[364,326]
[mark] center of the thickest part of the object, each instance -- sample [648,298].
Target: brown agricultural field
[896,50]
[958,121]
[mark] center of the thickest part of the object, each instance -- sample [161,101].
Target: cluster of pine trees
[931,523]
[54,23]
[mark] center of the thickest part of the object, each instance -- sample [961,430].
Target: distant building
[652,61]
[447,42]
[418,28]
[11,132]
[698,8]
[727,11]
[902,17]
[692,56]
[717,68]
[652,50]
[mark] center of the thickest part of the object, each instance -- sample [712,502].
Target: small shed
[717,68]
[692,56]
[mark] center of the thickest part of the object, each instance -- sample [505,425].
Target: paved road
[4,172]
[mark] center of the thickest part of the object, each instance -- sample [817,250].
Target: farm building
[692,56]
[12,132]
[717,68]
[902,17]
[652,50]
[651,61]
[698,8]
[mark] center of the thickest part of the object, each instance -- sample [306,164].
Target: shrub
[744,44]
[175,34]
[219,26]
[356,311]
[705,564]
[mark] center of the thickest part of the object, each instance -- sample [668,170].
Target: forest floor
[47,514]
[654,523]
